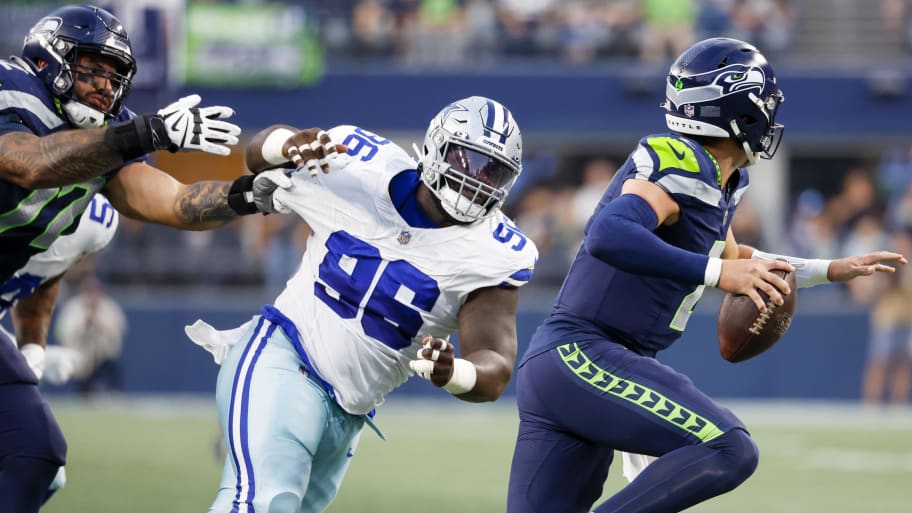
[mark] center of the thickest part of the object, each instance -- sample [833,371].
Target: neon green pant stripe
[644,397]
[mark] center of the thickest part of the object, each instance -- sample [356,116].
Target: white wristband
[808,272]
[35,357]
[713,272]
[272,146]
[463,379]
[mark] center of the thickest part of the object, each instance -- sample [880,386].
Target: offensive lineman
[399,258]
[65,135]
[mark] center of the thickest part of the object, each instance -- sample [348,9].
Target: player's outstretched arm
[811,272]
[487,341]
[849,268]
[146,193]
[284,146]
[73,156]
[58,159]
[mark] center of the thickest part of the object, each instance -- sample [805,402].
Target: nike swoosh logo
[680,155]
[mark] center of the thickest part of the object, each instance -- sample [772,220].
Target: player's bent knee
[285,502]
[742,454]
[46,440]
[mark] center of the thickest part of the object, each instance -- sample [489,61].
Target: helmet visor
[476,165]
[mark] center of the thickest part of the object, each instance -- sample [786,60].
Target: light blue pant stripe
[238,421]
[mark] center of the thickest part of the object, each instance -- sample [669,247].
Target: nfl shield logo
[404,237]
[689,110]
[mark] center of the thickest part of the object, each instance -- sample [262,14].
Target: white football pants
[289,444]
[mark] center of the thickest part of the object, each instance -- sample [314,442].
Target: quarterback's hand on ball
[312,148]
[193,128]
[749,276]
[848,268]
[265,185]
[435,361]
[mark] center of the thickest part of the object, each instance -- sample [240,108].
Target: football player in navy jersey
[589,383]
[65,135]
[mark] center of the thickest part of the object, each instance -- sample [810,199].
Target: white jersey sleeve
[370,285]
[95,231]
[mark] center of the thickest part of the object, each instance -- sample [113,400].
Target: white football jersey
[96,229]
[370,286]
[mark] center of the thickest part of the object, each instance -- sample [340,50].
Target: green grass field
[155,455]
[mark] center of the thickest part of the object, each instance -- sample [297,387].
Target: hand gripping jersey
[95,232]
[647,313]
[30,220]
[370,285]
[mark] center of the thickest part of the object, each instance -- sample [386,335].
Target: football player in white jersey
[31,294]
[402,255]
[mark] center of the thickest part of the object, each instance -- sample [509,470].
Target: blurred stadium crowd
[447,32]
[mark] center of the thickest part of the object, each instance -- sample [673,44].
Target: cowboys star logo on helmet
[471,157]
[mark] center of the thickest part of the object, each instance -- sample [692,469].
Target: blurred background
[584,79]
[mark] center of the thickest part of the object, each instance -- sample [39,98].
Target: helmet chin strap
[748,152]
[81,115]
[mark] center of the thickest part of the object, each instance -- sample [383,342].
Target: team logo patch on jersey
[404,237]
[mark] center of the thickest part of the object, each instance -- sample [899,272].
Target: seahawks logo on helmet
[731,79]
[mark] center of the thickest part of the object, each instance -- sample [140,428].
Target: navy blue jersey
[647,313]
[30,220]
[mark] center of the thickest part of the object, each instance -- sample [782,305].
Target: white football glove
[35,357]
[265,185]
[61,364]
[192,128]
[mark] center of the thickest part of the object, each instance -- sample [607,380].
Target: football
[744,332]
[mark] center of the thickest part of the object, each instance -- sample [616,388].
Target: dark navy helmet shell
[64,34]
[724,87]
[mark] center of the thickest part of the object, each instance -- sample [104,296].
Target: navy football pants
[580,402]
[32,446]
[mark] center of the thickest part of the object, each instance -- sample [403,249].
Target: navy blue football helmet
[724,87]
[60,37]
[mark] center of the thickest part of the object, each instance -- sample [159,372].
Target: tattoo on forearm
[55,160]
[205,204]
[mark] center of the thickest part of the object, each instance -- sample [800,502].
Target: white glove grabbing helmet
[471,158]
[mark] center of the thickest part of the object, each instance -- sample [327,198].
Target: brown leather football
[744,332]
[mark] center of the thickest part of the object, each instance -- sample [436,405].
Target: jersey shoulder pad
[671,152]
[678,165]
[23,93]
[366,146]
[98,225]
[515,254]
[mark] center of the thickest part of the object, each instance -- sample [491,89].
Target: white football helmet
[471,158]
